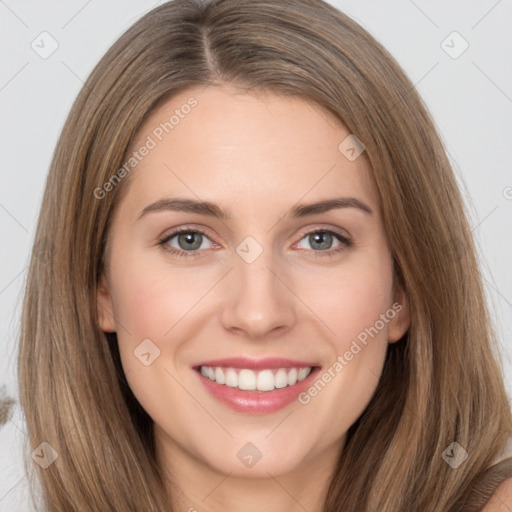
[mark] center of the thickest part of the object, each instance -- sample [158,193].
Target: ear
[401,321]
[105,306]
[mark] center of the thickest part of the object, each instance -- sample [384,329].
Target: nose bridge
[259,301]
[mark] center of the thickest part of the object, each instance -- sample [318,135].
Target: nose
[259,301]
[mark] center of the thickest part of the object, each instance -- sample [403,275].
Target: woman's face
[255,297]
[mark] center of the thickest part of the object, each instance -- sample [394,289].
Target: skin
[501,500]
[258,155]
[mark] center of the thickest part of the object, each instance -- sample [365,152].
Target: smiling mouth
[264,380]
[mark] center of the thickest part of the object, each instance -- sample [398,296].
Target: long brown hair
[441,383]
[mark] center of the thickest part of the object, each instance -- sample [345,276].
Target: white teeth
[219,376]
[265,381]
[281,378]
[249,380]
[303,373]
[231,378]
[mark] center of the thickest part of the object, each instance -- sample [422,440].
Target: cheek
[351,298]
[151,299]
[356,305]
[155,307]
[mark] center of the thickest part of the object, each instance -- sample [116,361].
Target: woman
[254,370]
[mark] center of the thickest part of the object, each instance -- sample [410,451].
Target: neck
[197,486]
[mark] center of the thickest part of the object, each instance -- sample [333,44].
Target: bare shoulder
[501,500]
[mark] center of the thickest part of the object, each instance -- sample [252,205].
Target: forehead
[247,149]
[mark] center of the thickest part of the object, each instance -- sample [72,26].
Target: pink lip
[256,402]
[256,364]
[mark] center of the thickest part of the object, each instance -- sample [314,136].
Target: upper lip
[256,364]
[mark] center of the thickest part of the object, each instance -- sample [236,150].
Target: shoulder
[501,500]
[492,490]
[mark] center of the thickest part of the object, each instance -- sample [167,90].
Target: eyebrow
[210,209]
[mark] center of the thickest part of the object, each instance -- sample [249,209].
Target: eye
[321,240]
[188,241]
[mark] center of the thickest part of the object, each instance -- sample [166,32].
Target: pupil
[318,238]
[189,241]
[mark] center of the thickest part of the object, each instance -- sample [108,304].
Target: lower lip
[257,402]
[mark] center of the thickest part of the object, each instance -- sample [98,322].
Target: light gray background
[470,98]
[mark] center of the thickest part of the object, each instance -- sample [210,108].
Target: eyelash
[345,242]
